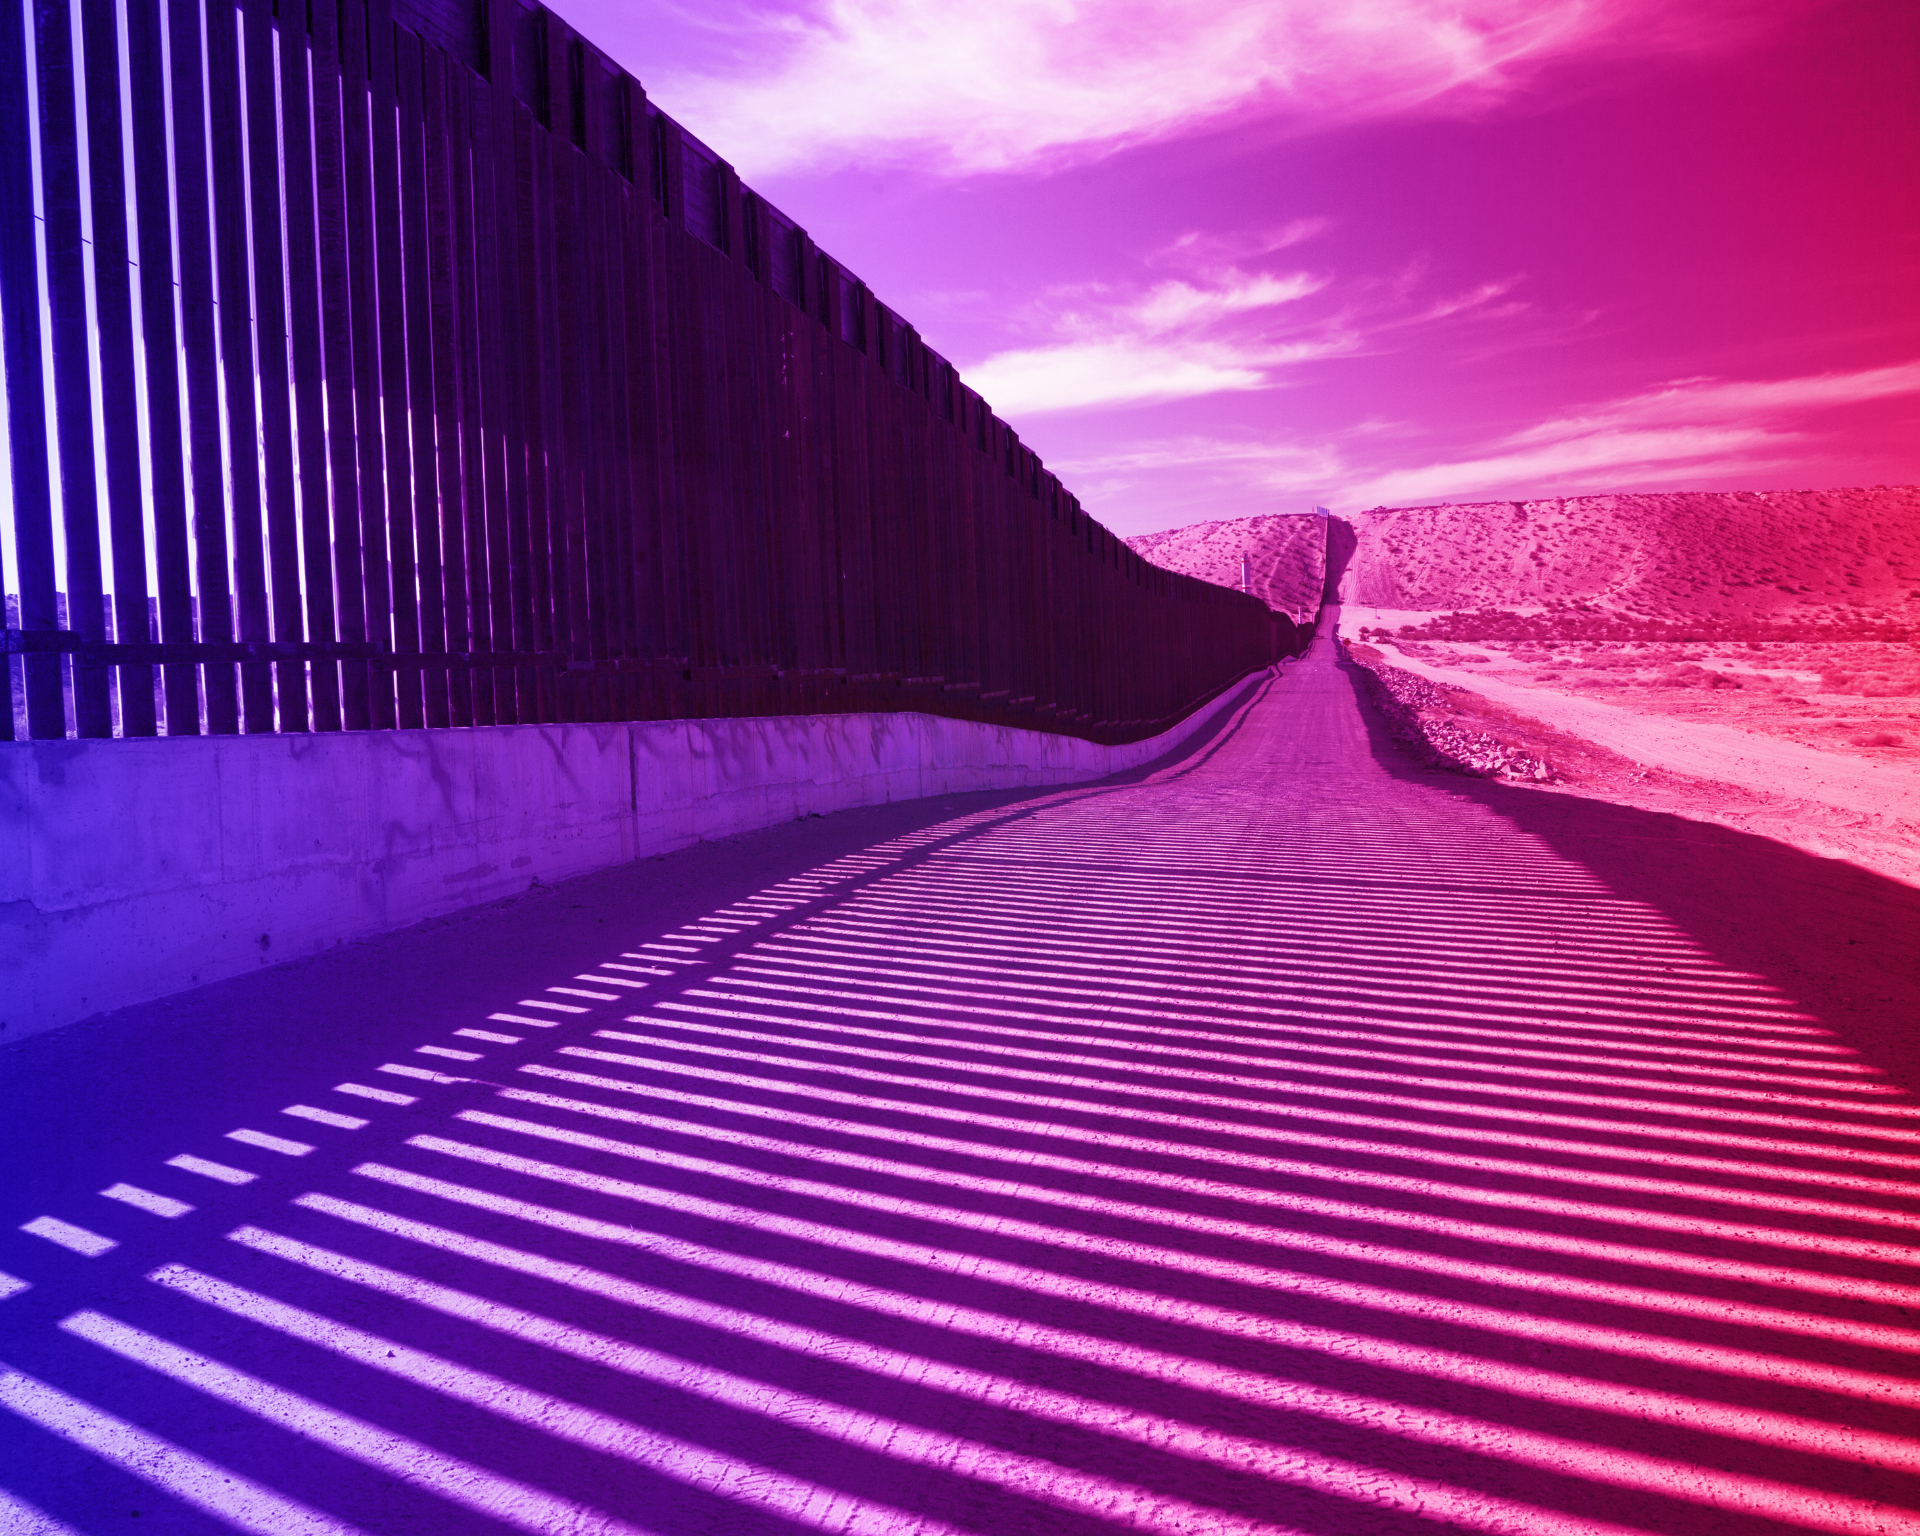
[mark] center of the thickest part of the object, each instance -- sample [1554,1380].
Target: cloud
[1692,400]
[1207,472]
[1225,247]
[1178,304]
[1203,334]
[1013,84]
[1124,371]
[1202,453]
[1212,331]
[1692,428]
[1606,460]
[1204,318]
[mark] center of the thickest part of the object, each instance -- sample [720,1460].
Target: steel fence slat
[368,435]
[342,343]
[233,253]
[72,348]
[469,466]
[276,385]
[435,504]
[390,307]
[113,277]
[308,372]
[213,606]
[166,440]
[20,332]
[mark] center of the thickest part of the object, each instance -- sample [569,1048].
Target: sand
[1702,749]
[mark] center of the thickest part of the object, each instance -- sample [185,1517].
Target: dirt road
[1281,1140]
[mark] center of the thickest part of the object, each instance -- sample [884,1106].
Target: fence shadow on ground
[1842,940]
[1131,1158]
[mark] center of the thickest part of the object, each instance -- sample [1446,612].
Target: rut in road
[1281,1141]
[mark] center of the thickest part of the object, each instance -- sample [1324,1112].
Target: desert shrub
[1687,675]
[1834,681]
[1880,739]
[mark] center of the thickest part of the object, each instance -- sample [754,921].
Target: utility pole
[1246,574]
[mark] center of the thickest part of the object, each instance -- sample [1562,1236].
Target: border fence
[377,365]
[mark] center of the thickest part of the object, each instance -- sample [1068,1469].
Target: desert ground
[1856,698]
[1745,658]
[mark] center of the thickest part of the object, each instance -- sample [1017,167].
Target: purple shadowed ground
[1283,1139]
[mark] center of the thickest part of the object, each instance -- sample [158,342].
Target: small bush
[1687,675]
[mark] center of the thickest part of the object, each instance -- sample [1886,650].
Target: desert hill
[1723,559]
[1784,620]
[1289,554]
[1732,557]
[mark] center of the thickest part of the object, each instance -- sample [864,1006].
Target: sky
[1214,258]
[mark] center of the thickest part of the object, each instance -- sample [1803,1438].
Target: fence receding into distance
[375,366]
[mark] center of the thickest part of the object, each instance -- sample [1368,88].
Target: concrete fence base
[132,869]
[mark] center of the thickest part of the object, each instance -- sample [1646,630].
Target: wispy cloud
[1695,400]
[1693,430]
[1216,328]
[1209,471]
[1287,461]
[1692,427]
[1122,371]
[1181,337]
[1009,84]
[1614,459]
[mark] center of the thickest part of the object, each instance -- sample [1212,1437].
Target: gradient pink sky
[1218,259]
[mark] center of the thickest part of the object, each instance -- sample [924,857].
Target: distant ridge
[1288,553]
[1847,557]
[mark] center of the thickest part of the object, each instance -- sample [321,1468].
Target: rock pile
[1417,713]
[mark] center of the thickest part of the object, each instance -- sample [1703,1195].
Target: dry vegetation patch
[1887,844]
[1857,697]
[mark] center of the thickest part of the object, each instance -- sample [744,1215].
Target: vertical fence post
[166,443]
[350,426]
[264,151]
[234,328]
[113,309]
[72,344]
[193,212]
[297,57]
[25,381]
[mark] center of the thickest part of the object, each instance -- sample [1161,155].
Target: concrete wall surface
[134,868]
